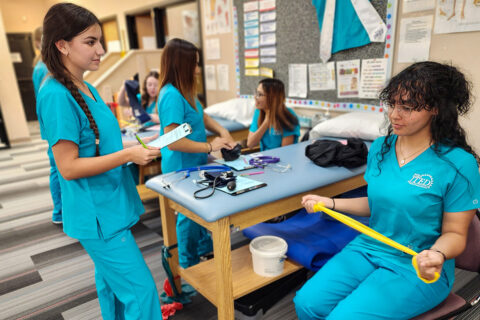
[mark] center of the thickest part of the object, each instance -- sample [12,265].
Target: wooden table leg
[223,265]
[169,230]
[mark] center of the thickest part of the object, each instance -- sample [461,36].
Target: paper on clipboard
[178,133]
[242,163]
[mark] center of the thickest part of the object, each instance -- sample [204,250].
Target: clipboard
[244,184]
[178,133]
[242,163]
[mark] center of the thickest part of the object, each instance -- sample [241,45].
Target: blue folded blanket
[312,238]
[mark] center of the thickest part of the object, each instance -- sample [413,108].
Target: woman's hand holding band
[443,254]
[429,262]
[310,200]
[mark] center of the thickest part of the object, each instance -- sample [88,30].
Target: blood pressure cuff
[233,154]
[328,153]
[131,88]
[312,238]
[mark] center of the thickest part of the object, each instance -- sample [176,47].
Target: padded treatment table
[237,130]
[229,275]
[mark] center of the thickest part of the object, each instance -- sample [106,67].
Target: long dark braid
[68,83]
[64,21]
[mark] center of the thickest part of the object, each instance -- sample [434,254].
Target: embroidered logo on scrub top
[421,180]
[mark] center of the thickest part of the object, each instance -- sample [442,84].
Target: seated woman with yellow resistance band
[423,190]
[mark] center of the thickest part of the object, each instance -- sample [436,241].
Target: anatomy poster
[457,16]
[217,16]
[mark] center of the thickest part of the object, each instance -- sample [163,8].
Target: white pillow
[363,125]
[238,109]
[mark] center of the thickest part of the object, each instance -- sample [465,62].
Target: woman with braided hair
[99,198]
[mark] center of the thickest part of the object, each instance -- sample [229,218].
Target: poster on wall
[373,78]
[297,80]
[217,16]
[348,76]
[190,26]
[415,38]
[457,16]
[222,77]
[210,77]
[212,49]
[321,76]
[417,5]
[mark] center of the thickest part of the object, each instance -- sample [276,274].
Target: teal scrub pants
[357,285]
[125,286]
[193,241]
[55,188]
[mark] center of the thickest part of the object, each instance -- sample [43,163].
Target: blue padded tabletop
[227,124]
[302,177]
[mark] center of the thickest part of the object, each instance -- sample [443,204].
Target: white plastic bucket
[268,254]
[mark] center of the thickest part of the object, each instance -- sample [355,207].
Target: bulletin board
[297,41]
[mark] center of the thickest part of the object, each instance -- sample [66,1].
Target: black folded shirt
[328,153]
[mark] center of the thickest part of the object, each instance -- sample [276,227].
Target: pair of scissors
[352,223]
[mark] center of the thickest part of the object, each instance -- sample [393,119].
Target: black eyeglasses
[258,94]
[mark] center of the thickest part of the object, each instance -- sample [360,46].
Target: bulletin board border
[391,17]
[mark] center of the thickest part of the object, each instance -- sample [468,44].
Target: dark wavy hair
[145,96]
[64,21]
[280,117]
[431,85]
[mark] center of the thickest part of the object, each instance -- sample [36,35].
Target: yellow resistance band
[352,223]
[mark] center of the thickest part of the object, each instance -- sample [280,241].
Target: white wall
[119,9]
[459,49]
[10,100]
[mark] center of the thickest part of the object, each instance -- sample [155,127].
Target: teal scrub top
[272,138]
[39,73]
[174,108]
[150,109]
[109,200]
[348,30]
[407,203]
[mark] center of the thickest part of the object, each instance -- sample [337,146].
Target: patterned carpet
[43,273]
[46,275]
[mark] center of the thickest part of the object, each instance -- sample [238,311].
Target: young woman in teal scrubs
[39,68]
[99,198]
[176,105]
[40,72]
[148,97]
[273,124]
[423,190]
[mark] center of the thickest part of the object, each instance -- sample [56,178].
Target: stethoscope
[186,173]
[263,161]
